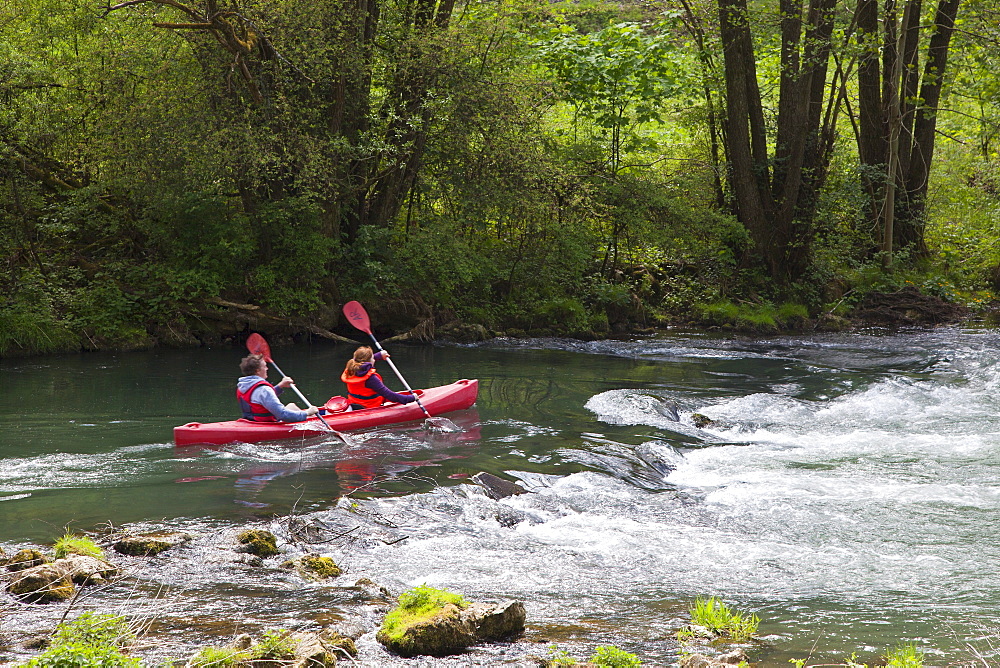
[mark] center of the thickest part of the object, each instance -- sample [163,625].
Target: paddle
[257,345]
[358,317]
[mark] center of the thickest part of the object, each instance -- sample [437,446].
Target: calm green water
[847,494]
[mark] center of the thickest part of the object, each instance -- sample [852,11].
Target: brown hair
[250,364]
[361,356]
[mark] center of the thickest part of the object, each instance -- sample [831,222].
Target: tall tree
[774,195]
[897,112]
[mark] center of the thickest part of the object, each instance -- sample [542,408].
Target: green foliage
[754,317]
[88,641]
[716,616]
[616,76]
[219,657]
[273,646]
[609,656]
[558,658]
[418,603]
[70,543]
[905,655]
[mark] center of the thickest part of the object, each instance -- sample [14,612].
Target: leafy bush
[91,640]
[273,646]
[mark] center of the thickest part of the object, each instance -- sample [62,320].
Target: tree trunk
[912,213]
[778,207]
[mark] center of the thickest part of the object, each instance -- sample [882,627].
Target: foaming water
[846,489]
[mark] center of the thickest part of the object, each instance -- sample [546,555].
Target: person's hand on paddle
[285,382]
[312,410]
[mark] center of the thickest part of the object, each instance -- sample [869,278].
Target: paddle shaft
[399,375]
[302,397]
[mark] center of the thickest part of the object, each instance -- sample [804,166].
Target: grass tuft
[70,543]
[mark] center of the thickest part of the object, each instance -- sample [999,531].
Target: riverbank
[216,322]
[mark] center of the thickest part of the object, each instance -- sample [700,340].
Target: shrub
[89,640]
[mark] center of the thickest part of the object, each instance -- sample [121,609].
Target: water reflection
[370,464]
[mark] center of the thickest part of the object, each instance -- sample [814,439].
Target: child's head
[362,356]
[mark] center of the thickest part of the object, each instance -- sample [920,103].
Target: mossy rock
[314,567]
[259,542]
[439,634]
[42,584]
[701,421]
[27,558]
[150,544]
[340,643]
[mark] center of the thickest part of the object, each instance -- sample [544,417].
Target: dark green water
[847,493]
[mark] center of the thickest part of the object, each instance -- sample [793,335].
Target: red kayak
[437,400]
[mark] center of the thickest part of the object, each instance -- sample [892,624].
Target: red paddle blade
[258,346]
[357,316]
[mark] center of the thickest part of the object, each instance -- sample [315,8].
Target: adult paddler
[258,399]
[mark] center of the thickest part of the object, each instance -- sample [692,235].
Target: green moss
[70,543]
[418,604]
[259,542]
[26,558]
[322,567]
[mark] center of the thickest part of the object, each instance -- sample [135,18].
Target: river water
[847,492]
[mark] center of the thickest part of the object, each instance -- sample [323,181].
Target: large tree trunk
[917,124]
[913,210]
[778,205]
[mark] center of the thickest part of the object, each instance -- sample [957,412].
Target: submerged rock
[150,544]
[496,487]
[27,558]
[259,542]
[701,421]
[339,644]
[733,658]
[42,584]
[313,567]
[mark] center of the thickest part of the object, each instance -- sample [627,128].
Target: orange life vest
[357,393]
[252,411]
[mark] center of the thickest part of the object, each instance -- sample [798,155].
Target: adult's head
[252,364]
[362,355]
